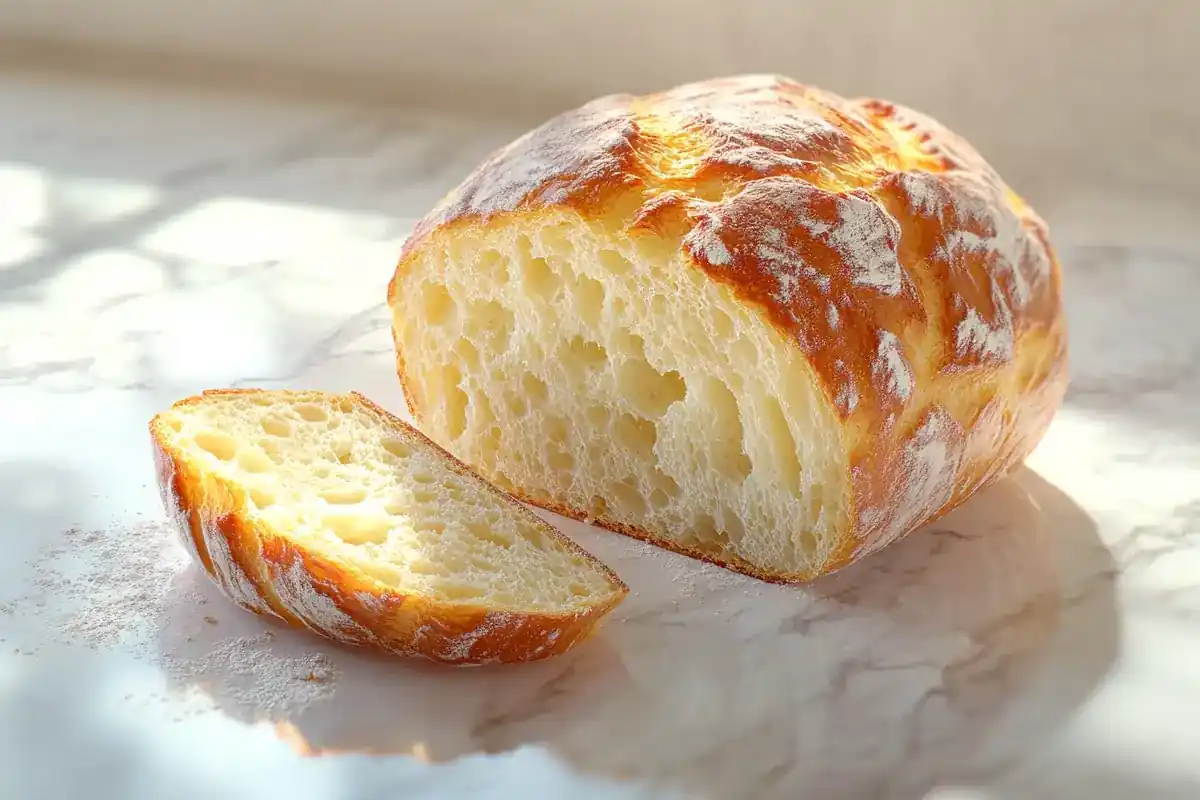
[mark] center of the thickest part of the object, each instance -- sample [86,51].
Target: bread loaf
[333,515]
[745,319]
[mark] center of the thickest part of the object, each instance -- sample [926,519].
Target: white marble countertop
[1038,643]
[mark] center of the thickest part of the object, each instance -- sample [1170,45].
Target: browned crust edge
[265,573]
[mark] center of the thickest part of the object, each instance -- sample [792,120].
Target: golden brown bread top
[923,291]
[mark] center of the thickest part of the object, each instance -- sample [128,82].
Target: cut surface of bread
[330,513]
[745,319]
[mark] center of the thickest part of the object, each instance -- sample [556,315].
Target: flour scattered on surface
[108,586]
[118,589]
[246,673]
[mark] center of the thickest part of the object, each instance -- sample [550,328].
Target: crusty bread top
[924,292]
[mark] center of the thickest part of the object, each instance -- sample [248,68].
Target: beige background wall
[1053,91]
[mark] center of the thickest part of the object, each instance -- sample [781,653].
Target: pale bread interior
[342,480]
[598,372]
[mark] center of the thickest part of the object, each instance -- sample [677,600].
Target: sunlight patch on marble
[18,246]
[238,230]
[1078,451]
[102,277]
[34,200]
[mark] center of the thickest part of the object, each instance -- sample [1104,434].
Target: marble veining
[1037,643]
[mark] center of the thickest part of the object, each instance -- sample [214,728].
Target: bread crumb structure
[326,511]
[746,319]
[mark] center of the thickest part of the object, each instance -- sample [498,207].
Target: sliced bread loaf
[332,514]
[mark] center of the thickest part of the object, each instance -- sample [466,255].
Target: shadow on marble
[40,498]
[943,658]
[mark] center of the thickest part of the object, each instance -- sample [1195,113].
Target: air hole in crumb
[310,412]
[773,421]
[397,447]
[486,533]
[219,444]
[255,461]
[557,240]
[735,528]
[627,498]
[431,525]
[635,434]
[725,440]
[493,322]
[467,352]
[704,533]
[814,505]
[579,590]
[589,299]
[356,529]
[272,449]
[425,496]
[423,477]
[276,426]
[454,563]
[557,429]
[722,324]
[808,543]
[535,388]
[495,265]
[455,402]
[597,506]
[598,416]
[481,564]
[344,495]
[174,424]
[540,280]
[582,355]
[262,498]
[664,483]
[437,304]
[648,390]
[342,451]
[562,462]
[614,262]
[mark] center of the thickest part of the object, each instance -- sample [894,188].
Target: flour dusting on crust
[891,367]
[231,576]
[165,469]
[553,162]
[867,238]
[925,481]
[298,593]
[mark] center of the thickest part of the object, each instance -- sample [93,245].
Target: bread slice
[745,319]
[332,514]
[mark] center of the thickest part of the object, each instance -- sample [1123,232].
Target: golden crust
[924,293]
[267,574]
